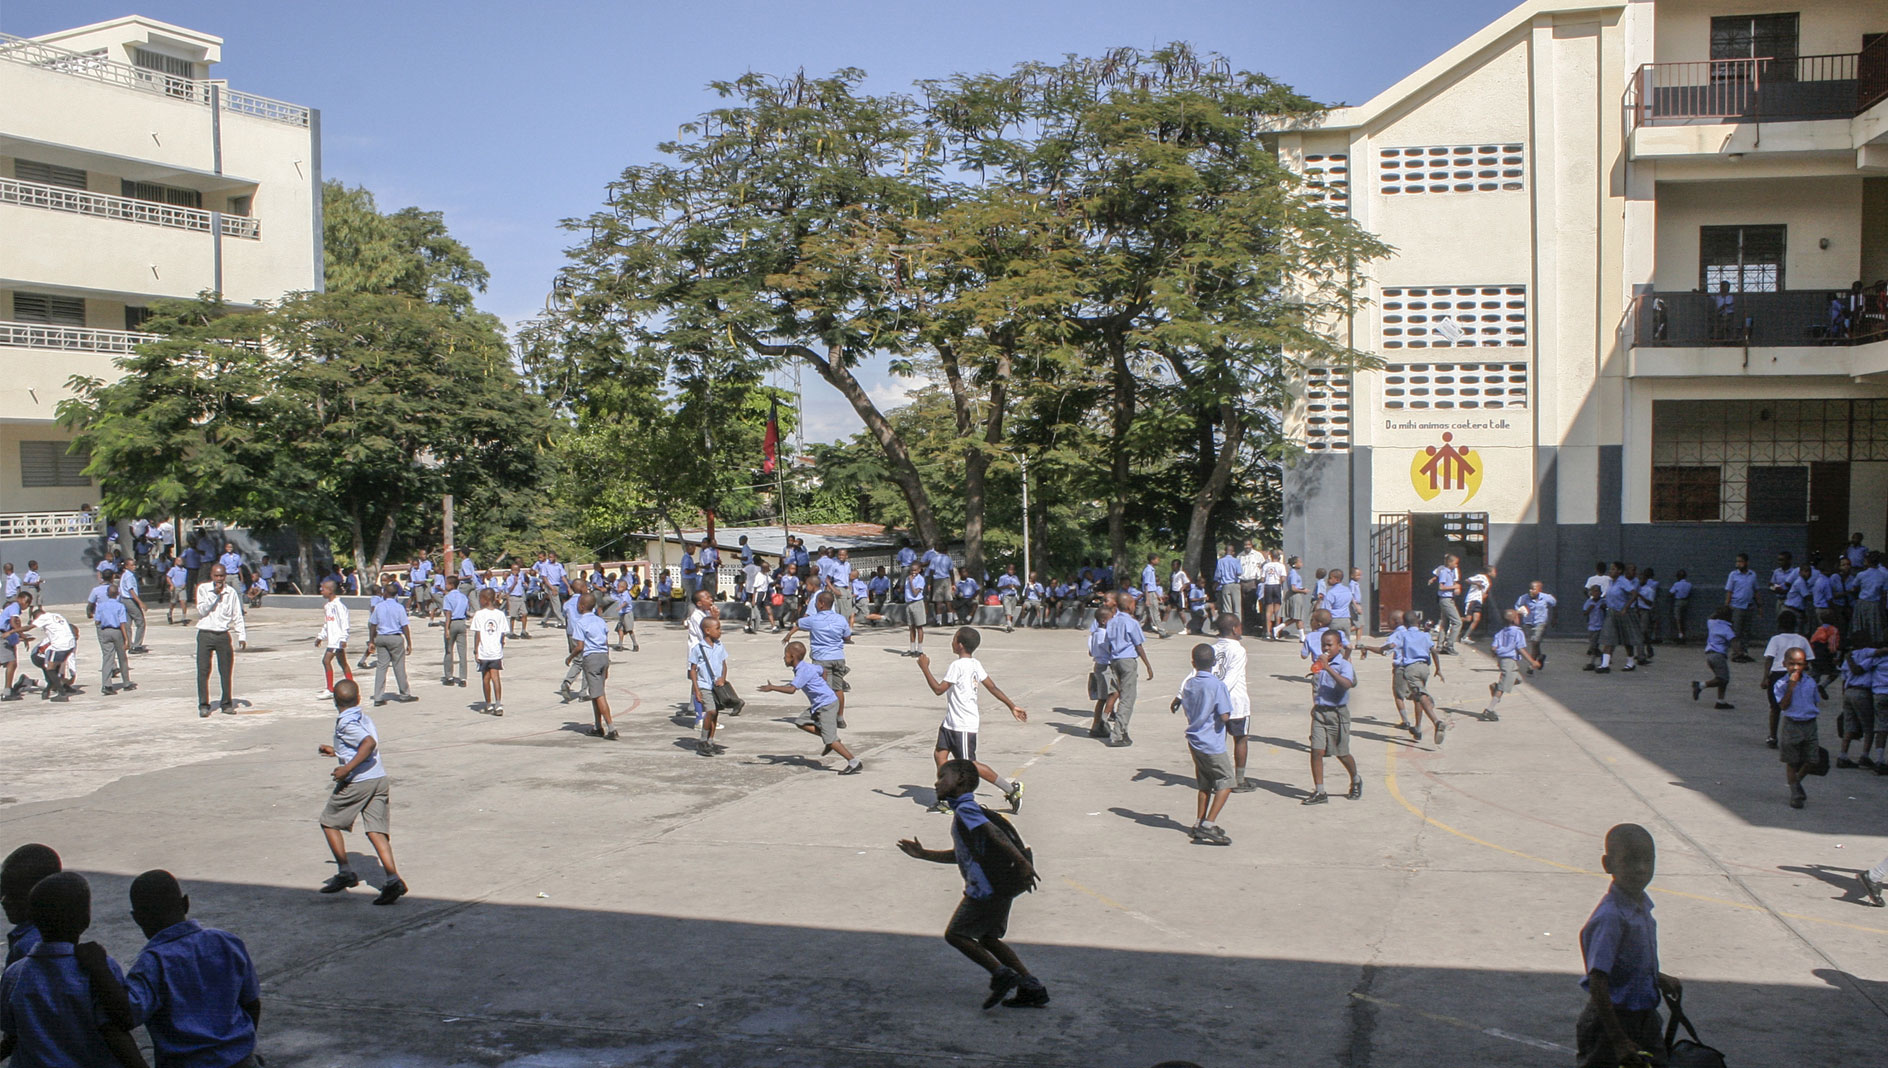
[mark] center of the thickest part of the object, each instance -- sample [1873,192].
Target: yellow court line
[1389,778]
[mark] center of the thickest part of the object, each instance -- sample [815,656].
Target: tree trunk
[1213,490]
[360,543]
[904,472]
[1119,469]
[385,541]
[305,560]
[977,466]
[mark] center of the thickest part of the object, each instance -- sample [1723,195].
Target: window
[1764,449]
[1327,409]
[1454,317]
[1454,385]
[55,311]
[162,194]
[29,170]
[1327,181]
[240,205]
[1686,494]
[1451,169]
[1778,495]
[47,463]
[165,64]
[1755,37]
[1741,259]
[135,315]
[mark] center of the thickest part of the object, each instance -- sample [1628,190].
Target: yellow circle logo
[1436,470]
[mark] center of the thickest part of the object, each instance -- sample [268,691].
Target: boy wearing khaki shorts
[360,791]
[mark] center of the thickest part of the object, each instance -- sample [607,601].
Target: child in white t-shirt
[957,736]
[489,627]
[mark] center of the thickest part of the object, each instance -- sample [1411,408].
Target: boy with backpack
[957,735]
[997,867]
[1620,947]
[708,666]
[1209,708]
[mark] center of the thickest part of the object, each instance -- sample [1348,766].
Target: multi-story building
[1635,309]
[128,174]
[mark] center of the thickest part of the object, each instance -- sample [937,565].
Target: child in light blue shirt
[1208,706]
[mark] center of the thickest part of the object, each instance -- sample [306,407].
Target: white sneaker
[325,695]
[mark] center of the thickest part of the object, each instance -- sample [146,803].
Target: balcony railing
[1793,317]
[46,524]
[1756,90]
[106,206]
[71,338]
[111,72]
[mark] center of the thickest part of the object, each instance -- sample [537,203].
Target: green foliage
[1098,263]
[345,414]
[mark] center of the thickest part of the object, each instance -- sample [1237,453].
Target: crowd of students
[487,609]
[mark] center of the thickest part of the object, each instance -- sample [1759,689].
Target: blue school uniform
[1717,635]
[1621,940]
[810,680]
[187,989]
[1508,643]
[46,1006]
[1207,704]
[20,942]
[1742,586]
[966,816]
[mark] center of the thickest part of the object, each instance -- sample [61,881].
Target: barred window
[1765,450]
[1686,494]
[31,170]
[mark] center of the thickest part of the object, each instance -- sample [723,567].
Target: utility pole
[445,513]
[1023,460]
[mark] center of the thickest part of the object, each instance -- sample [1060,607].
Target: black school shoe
[391,892]
[1002,981]
[341,881]
[1356,790]
[1033,995]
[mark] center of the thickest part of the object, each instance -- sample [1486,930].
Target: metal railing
[16,525]
[70,338]
[1792,317]
[1871,74]
[1748,90]
[107,206]
[111,72]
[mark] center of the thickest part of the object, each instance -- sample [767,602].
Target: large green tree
[1112,230]
[343,414]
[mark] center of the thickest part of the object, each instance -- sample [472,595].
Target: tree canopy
[343,414]
[1099,258]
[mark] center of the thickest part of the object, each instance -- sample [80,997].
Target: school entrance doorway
[1407,546]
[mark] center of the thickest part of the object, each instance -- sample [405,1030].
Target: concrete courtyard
[580,902]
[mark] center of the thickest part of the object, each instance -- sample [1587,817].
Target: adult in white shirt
[219,621]
[1600,578]
[333,637]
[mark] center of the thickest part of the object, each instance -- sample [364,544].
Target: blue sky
[511,116]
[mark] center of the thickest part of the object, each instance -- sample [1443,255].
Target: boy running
[982,919]
[1719,631]
[1510,648]
[821,714]
[957,735]
[489,631]
[360,791]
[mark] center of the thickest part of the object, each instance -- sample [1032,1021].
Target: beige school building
[1621,320]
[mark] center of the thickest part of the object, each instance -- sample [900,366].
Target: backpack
[1006,878]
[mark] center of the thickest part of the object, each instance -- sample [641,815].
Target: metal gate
[1390,549]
